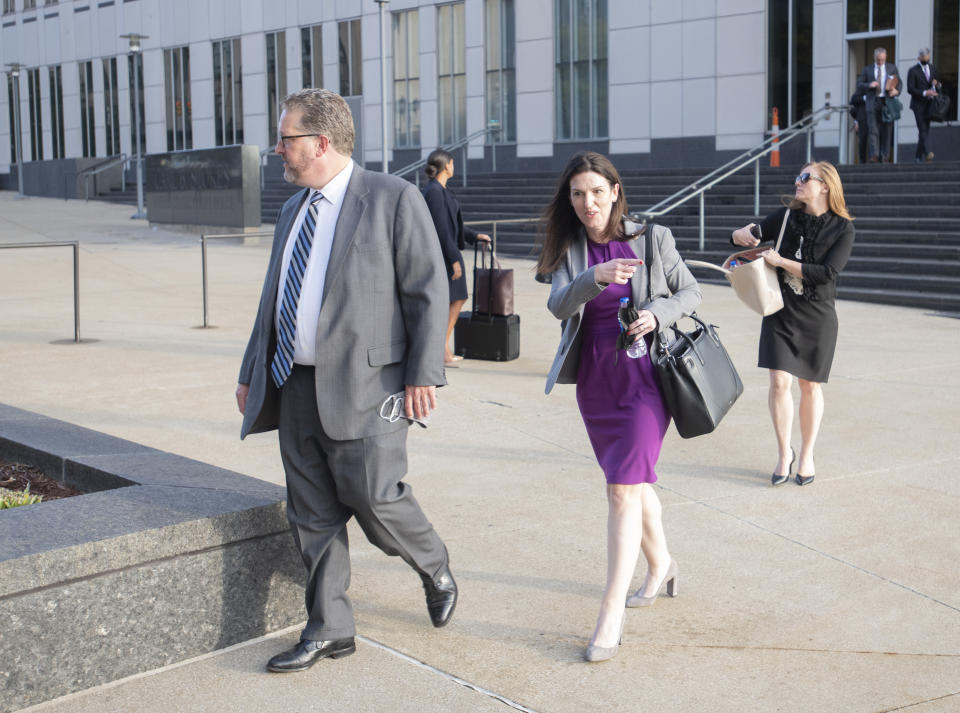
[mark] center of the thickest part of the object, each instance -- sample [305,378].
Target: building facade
[653,82]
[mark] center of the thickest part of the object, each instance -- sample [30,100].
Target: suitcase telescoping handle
[483,265]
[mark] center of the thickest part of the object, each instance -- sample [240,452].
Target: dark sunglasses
[805,177]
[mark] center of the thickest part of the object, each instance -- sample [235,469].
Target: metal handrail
[495,223]
[203,259]
[76,275]
[699,187]
[461,144]
[263,165]
[90,171]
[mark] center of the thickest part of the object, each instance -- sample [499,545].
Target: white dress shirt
[880,74]
[311,291]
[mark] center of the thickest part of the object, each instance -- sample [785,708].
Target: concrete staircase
[907,250]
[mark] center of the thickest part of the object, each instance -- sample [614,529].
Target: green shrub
[13,498]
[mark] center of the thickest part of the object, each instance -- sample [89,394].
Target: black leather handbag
[697,377]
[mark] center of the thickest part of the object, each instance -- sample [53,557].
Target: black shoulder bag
[697,377]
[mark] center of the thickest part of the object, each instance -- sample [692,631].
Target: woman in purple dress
[593,256]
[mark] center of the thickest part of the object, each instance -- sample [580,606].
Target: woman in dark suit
[453,234]
[800,339]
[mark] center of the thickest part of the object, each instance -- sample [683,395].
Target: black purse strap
[661,344]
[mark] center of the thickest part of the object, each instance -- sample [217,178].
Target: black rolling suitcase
[481,333]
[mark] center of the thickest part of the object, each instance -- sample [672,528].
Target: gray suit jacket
[674,290]
[384,315]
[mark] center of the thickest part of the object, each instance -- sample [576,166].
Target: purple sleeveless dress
[619,397]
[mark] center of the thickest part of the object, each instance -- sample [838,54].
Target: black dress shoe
[307,652]
[441,594]
[804,479]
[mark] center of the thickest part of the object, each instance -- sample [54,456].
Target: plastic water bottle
[639,346]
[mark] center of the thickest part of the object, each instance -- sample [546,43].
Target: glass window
[311,55]
[56,109]
[406,79]
[946,26]
[276,80]
[581,69]
[135,71]
[11,103]
[111,106]
[9,6]
[36,120]
[451,68]
[351,58]
[176,89]
[501,91]
[884,14]
[87,133]
[789,78]
[871,15]
[29,4]
[227,92]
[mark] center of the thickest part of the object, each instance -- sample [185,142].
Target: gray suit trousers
[329,481]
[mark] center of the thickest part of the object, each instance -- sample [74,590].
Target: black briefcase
[484,336]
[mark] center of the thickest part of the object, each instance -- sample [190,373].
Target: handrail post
[809,141]
[203,270]
[465,165]
[76,292]
[701,220]
[756,187]
[494,236]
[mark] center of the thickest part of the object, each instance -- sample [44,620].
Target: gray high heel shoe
[670,580]
[595,654]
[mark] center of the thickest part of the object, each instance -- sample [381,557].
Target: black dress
[453,234]
[802,337]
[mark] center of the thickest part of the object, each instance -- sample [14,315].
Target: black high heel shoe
[805,479]
[781,479]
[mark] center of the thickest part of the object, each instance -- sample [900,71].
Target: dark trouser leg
[923,131]
[873,130]
[862,136]
[368,473]
[317,519]
[885,135]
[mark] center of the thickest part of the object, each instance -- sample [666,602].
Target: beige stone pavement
[841,596]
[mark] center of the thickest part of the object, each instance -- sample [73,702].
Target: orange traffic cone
[775,130]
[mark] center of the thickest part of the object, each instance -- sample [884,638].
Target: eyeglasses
[805,177]
[285,139]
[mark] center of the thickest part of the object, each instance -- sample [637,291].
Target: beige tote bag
[754,281]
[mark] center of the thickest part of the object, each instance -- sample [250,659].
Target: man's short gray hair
[924,52]
[326,113]
[877,51]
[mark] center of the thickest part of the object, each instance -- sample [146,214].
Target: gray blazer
[384,315]
[674,290]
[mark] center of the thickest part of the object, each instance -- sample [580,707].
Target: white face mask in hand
[392,410]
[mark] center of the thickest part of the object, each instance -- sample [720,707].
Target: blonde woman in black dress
[800,340]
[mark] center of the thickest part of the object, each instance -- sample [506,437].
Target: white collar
[336,186]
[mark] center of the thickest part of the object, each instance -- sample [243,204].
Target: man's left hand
[419,401]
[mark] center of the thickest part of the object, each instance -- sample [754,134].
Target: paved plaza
[841,596]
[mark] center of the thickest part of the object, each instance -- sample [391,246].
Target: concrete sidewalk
[840,596]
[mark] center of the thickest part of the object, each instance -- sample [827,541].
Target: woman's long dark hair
[559,224]
[436,162]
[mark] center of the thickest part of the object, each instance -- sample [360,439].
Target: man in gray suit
[352,317]
[876,83]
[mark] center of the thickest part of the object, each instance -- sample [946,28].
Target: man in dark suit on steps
[922,84]
[876,82]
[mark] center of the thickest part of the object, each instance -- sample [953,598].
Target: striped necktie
[287,323]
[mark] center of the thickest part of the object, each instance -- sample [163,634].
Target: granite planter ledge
[164,558]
